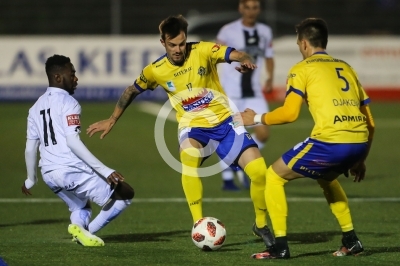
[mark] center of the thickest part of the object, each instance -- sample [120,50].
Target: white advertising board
[104,65]
[107,64]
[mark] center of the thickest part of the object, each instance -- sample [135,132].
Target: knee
[190,155]
[263,138]
[274,179]
[340,207]
[124,191]
[191,160]
[256,170]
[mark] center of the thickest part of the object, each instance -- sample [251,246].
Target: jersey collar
[320,53]
[56,90]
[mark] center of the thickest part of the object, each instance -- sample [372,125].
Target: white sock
[228,173]
[259,143]
[81,217]
[108,213]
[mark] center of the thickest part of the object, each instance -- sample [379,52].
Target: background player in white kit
[70,170]
[246,90]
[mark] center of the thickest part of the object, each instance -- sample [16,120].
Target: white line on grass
[169,200]
[154,108]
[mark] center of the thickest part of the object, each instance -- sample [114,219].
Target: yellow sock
[191,183]
[256,170]
[338,203]
[276,202]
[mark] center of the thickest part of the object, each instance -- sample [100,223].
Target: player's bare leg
[228,177]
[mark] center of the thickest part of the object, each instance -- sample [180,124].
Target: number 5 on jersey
[343,78]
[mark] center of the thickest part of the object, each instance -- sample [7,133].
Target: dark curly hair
[56,63]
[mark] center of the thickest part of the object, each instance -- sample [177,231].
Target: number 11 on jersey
[50,125]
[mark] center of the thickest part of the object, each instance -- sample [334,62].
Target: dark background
[49,17]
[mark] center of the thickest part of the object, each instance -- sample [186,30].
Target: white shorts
[259,105]
[75,187]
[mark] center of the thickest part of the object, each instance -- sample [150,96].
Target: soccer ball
[208,233]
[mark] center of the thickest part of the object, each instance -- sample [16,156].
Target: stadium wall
[106,65]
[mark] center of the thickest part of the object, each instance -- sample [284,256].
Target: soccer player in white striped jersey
[246,90]
[70,170]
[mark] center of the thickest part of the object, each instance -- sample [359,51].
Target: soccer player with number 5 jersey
[339,142]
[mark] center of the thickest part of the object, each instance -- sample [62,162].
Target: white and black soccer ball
[208,233]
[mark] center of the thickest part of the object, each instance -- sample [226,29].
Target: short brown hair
[315,30]
[172,26]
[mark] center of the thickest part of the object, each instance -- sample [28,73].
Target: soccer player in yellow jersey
[188,73]
[340,140]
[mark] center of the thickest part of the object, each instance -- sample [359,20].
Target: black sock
[350,234]
[281,242]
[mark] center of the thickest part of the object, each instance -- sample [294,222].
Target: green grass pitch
[155,229]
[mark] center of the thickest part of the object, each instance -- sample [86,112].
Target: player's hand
[104,126]
[26,191]
[358,171]
[237,120]
[268,86]
[115,177]
[247,117]
[246,66]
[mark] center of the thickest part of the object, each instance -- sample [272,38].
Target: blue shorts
[226,140]
[313,158]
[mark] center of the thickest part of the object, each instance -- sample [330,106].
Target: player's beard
[178,62]
[71,89]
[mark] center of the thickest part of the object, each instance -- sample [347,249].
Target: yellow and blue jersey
[334,95]
[193,88]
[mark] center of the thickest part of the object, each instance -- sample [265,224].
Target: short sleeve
[217,52]
[296,81]
[145,80]
[364,98]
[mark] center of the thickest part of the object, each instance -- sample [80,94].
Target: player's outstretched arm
[106,125]
[245,60]
[79,149]
[281,115]
[31,165]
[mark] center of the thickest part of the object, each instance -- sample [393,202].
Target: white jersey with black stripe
[256,41]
